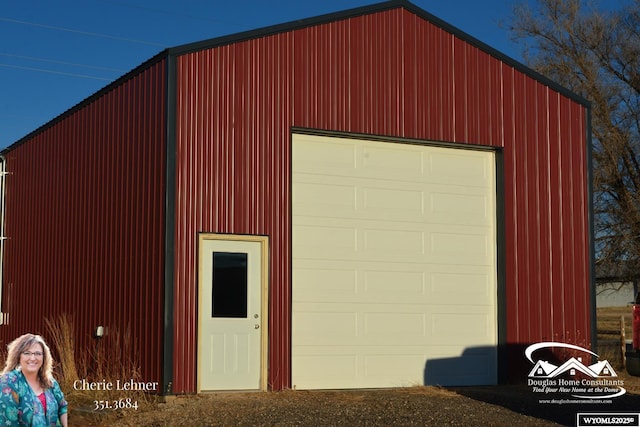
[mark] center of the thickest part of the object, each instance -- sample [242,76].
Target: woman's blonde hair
[22,344]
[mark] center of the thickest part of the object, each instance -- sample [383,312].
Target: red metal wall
[85,220]
[387,73]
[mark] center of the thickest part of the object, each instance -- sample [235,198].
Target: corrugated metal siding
[388,73]
[85,221]
[232,178]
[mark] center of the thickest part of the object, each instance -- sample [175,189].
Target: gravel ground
[416,406]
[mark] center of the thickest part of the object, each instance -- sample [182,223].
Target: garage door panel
[361,294]
[465,167]
[461,328]
[380,202]
[398,161]
[454,366]
[377,367]
[326,284]
[332,238]
[364,368]
[324,156]
[459,285]
[459,247]
[462,289]
[460,208]
[373,159]
[326,199]
[394,264]
[320,371]
[369,368]
[382,327]
[327,241]
[393,245]
[339,283]
[328,328]
[385,284]
[368,324]
[353,241]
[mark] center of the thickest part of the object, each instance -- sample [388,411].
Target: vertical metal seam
[169,207]
[591,226]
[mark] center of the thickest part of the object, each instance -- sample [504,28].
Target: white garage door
[394,264]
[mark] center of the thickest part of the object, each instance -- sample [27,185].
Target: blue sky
[54,54]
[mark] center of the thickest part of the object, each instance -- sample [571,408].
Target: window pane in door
[229,285]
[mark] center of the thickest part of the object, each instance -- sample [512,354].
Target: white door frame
[264,287]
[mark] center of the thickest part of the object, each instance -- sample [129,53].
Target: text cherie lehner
[129,385]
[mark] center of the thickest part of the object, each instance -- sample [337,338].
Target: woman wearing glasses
[29,395]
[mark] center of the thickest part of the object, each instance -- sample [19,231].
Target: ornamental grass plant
[90,377]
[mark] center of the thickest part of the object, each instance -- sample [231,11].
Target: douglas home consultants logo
[571,374]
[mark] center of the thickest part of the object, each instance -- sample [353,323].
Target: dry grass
[433,391]
[63,342]
[112,359]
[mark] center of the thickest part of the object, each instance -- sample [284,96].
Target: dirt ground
[414,406]
[502,405]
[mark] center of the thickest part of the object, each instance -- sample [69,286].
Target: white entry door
[232,331]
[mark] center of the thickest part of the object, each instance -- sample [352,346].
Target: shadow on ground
[517,392]
[521,399]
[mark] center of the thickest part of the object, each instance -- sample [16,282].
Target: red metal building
[394,201]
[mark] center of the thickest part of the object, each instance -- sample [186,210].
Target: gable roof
[309,22]
[603,369]
[573,363]
[542,369]
[366,10]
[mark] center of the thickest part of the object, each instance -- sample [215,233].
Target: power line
[43,70]
[86,33]
[73,64]
[172,13]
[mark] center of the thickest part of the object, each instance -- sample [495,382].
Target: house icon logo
[596,380]
[544,369]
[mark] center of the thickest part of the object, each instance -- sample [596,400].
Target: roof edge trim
[117,82]
[517,65]
[288,26]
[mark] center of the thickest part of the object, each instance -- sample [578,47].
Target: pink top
[43,400]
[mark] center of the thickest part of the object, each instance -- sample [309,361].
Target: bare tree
[597,55]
